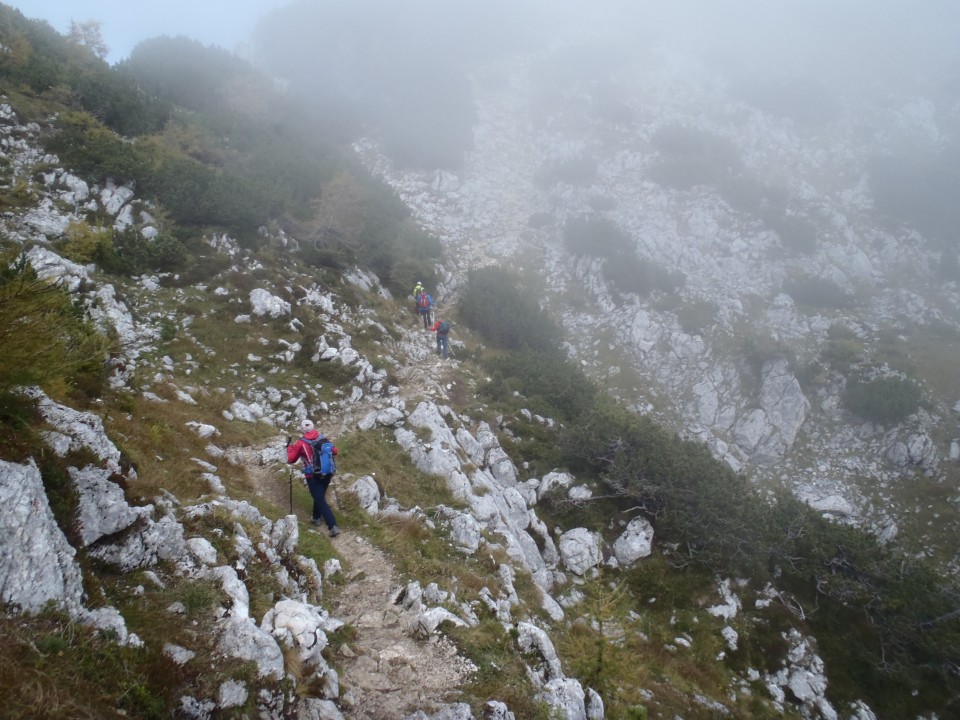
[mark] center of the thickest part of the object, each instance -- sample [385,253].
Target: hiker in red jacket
[311,448]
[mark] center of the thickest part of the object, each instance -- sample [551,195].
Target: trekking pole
[290,478]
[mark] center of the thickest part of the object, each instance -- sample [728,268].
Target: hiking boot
[315,521]
[334,531]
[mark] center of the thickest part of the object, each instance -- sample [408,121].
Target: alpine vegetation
[530,374]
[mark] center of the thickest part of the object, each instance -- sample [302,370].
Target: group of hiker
[423,304]
[317,452]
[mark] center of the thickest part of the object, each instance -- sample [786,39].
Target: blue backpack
[323,463]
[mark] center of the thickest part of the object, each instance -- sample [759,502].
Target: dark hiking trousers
[318,489]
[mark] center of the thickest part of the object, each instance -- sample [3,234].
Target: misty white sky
[226,23]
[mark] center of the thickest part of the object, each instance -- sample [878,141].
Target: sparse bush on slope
[506,314]
[622,267]
[885,400]
[43,336]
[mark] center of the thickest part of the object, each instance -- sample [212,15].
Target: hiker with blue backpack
[424,305]
[317,453]
[442,329]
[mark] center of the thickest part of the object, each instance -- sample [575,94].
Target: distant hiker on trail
[418,290]
[442,329]
[317,453]
[424,305]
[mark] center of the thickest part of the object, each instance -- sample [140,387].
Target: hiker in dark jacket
[425,304]
[303,449]
[442,329]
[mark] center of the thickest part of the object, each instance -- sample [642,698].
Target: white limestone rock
[299,626]
[427,621]
[84,429]
[179,654]
[37,565]
[145,544]
[368,494]
[465,533]
[803,673]
[102,508]
[390,417]
[532,639]
[580,550]
[263,303]
[566,698]
[554,480]
[636,542]
[239,637]
[201,549]
[232,693]
[285,535]
[50,266]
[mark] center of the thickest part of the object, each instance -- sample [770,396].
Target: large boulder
[636,542]
[580,550]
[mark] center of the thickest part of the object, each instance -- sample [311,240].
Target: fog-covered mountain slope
[192,263]
[762,252]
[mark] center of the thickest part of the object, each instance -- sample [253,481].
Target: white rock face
[368,494]
[241,638]
[201,549]
[50,266]
[265,303]
[84,429]
[580,550]
[465,533]
[803,673]
[37,564]
[299,626]
[148,543]
[532,639]
[636,542]
[102,509]
[554,480]
[231,694]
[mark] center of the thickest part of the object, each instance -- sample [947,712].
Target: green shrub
[696,316]
[885,400]
[797,234]
[842,349]
[553,386]
[129,253]
[94,151]
[575,171]
[42,332]
[817,292]
[628,273]
[506,314]
[690,156]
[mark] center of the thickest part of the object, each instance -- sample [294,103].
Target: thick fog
[378,56]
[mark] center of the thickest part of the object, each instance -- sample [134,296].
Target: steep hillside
[186,280]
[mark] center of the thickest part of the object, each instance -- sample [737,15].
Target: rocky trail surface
[389,669]
[386,671]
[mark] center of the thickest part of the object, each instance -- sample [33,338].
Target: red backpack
[424,300]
